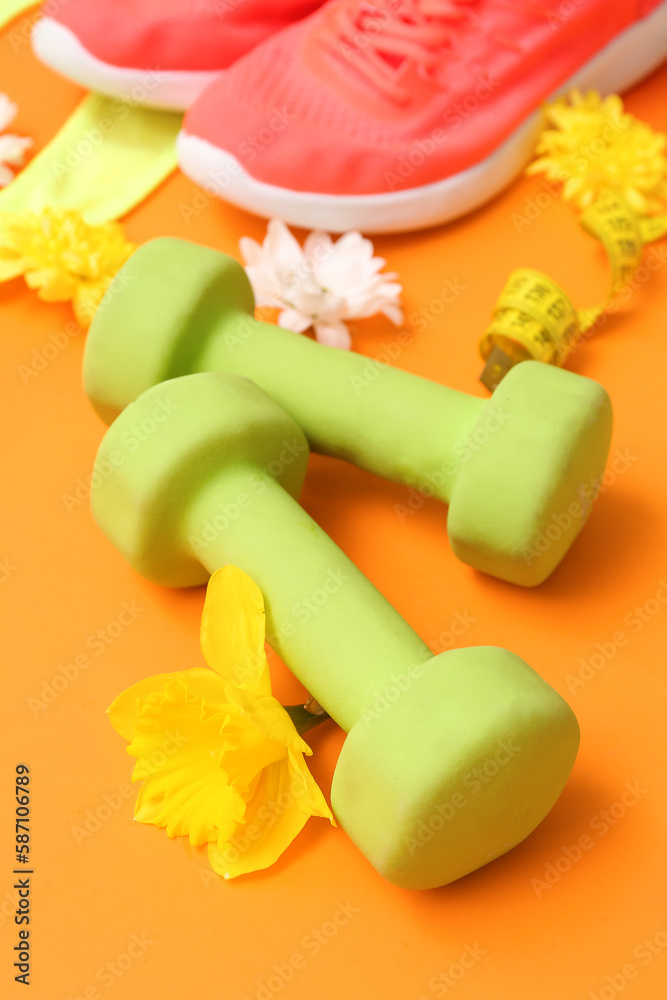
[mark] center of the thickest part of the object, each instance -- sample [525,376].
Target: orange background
[203,936]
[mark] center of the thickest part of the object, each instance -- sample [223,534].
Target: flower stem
[303,719]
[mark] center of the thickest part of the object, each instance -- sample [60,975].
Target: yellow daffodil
[220,759]
[62,256]
[595,146]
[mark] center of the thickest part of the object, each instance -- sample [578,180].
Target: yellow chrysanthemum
[594,145]
[220,759]
[62,256]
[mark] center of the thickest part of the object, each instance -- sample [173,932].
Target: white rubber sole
[60,49]
[629,58]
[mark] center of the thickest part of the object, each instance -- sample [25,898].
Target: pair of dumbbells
[216,482]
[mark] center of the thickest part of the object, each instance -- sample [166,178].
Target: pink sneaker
[402,114]
[156,52]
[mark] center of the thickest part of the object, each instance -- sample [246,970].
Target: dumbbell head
[182,290]
[530,471]
[444,774]
[174,440]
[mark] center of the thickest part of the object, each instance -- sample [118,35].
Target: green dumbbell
[519,471]
[451,760]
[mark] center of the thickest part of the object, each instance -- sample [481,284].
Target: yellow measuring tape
[535,319]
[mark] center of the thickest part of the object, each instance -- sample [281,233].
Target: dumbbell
[451,760]
[519,471]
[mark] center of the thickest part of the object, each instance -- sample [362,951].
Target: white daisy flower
[322,285]
[12,147]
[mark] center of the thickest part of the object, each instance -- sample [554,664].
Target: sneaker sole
[60,49]
[629,58]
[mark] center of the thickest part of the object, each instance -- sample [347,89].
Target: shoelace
[382,42]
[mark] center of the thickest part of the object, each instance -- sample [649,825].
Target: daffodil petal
[272,821]
[180,743]
[308,793]
[232,629]
[268,716]
[183,812]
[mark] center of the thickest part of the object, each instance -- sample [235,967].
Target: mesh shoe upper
[360,99]
[176,34]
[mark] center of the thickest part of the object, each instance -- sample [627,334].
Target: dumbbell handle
[390,422]
[340,636]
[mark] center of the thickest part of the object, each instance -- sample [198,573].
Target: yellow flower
[596,146]
[62,256]
[220,759]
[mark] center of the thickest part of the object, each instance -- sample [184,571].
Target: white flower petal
[6,176]
[361,305]
[7,112]
[13,149]
[251,252]
[265,286]
[345,265]
[308,298]
[283,250]
[317,248]
[333,335]
[323,284]
[393,313]
[295,321]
